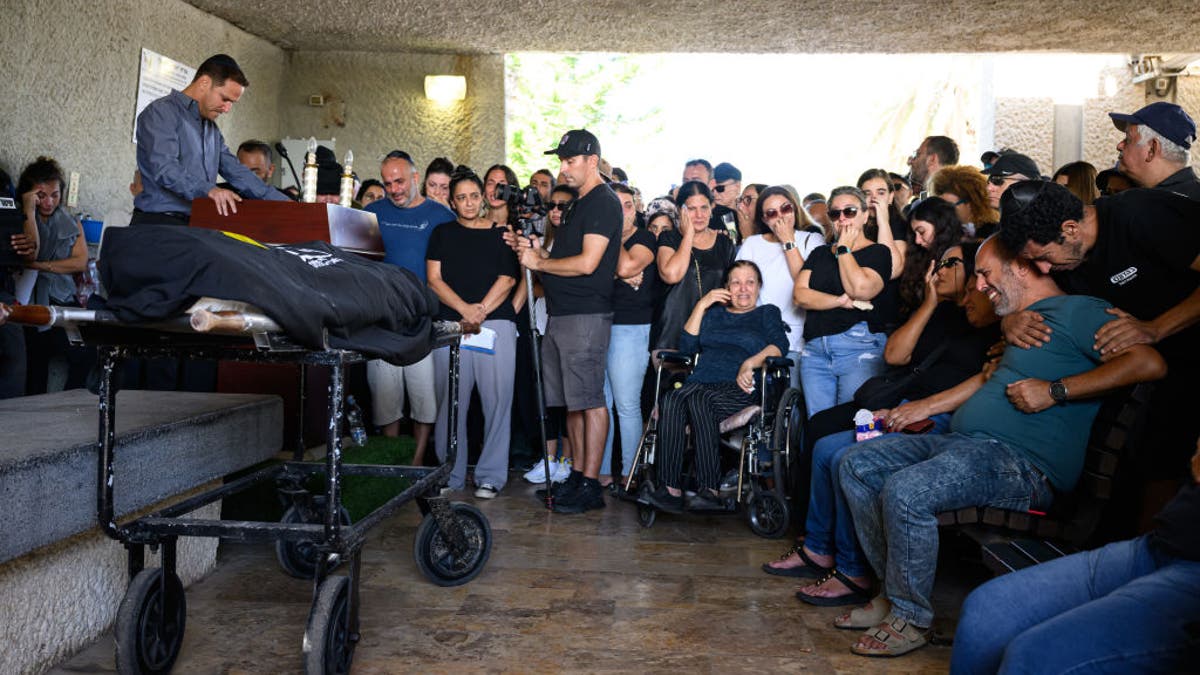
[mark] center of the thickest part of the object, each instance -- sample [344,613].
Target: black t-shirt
[1182,182]
[597,212]
[825,278]
[630,306]
[1146,241]
[963,355]
[719,257]
[1178,531]
[471,260]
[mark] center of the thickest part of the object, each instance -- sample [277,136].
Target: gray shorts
[574,357]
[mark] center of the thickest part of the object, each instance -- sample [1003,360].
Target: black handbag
[887,390]
[681,299]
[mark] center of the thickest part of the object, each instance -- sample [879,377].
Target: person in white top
[779,250]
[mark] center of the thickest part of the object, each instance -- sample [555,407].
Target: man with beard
[1019,438]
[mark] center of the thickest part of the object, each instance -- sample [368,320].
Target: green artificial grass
[360,494]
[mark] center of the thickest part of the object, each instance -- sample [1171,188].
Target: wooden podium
[292,223]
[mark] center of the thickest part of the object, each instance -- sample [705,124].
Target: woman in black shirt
[473,273]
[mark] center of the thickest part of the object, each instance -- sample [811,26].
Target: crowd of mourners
[981,314]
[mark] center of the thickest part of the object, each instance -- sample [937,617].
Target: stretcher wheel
[150,623]
[768,515]
[299,558]
[329,639]
[446,567]
[646,515]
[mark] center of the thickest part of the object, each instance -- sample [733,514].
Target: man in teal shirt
[1020,435]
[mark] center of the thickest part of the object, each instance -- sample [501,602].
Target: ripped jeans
[834,366]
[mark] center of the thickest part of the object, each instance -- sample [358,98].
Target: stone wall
[70,86]
[376,103]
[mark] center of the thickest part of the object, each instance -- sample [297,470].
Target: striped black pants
[701,406]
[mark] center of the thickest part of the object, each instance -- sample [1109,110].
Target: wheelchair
[765,437]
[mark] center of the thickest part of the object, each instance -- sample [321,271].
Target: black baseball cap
[576,142]
[1011,163]
[1168,119]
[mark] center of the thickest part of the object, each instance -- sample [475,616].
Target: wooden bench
[1012,540]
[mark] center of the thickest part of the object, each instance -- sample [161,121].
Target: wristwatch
[840,250]
[789,246]
[1058,392]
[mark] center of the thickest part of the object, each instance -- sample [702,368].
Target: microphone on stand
[284,154]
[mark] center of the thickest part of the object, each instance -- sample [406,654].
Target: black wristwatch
[840,250]
[789,246]
[1058,392]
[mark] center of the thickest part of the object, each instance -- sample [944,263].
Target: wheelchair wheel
[646,515]
[767,515]
[329,639]
[299,558]
[435,557]
[789,420]
[150,623]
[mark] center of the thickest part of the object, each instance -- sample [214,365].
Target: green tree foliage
[548,94]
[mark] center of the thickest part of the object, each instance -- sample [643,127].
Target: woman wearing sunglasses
[692,260]
[844,330]
[966,189]
[746,205]
[952,330]
[779,248]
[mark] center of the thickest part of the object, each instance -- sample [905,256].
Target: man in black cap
[1006,170]
[1139,250]
[1154,151]
[180,149]
[726,189]
[578,280]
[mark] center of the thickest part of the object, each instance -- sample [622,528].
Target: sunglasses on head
[849,212]
[948,261]
[783,210]
[560,206]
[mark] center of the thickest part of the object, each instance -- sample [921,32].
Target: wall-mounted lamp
[445,88]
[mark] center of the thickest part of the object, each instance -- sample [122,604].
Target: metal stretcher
[452,543]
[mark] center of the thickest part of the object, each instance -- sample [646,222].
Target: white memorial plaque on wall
[157,76]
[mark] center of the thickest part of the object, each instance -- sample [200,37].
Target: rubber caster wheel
[150,623]
[299,558]
[329,639]
[646,515]
[767,515]
[433,553]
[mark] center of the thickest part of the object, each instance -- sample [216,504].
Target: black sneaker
[587,497]
[560,490]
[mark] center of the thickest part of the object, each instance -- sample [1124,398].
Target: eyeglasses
[1018,197]
[746,200]
[849,212]
[999,180]
[559,206]
[949,261]
[783,210]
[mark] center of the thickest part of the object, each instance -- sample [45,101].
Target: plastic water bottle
[866,425]
[358,433]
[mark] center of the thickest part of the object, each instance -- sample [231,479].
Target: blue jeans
[628,356]
[829,529]
[1118,609]
[896,485]
[833,367]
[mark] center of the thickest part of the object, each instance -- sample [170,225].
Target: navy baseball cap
[726,171]
[576,142]
[1168,119]
[1011,163]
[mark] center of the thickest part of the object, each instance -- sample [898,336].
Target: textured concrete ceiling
[753,26]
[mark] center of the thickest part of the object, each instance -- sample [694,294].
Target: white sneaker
[537,475]
[561,472]
[486,491]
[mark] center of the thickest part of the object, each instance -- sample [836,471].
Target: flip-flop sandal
[857,595]
[862,618]
[898,636]
[809,570]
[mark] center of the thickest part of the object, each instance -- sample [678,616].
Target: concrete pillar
[1068,135]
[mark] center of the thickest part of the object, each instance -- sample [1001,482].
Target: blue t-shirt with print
[1054,439]
[405,232]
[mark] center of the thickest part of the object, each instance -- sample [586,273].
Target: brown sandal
[898,637]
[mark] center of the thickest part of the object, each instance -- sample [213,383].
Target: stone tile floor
[585,593]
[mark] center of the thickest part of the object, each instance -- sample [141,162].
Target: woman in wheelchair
[731,336]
